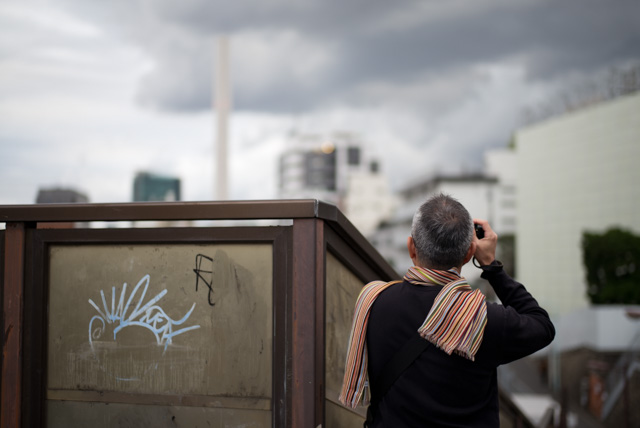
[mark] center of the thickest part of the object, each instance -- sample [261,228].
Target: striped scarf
[455,323]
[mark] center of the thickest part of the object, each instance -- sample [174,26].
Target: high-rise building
[309,169]
[336,169]
[149,187]
[59,195]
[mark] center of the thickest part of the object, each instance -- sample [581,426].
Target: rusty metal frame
[36,307]
[239,210]
[13,297]
[2,331]
[299,287]
[229,210]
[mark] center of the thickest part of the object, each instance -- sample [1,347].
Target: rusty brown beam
[208,210]
[12,323]
[212,210]
[304,382]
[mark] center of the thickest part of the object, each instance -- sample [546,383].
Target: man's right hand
[485,247]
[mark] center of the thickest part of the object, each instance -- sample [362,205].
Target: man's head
[441,234]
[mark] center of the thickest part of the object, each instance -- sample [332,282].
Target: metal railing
[619,375]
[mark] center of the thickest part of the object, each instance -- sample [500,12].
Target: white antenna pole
[222,100]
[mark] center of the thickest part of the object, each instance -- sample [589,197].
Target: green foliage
[612,261]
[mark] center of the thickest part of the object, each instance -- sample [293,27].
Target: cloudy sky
[93,91]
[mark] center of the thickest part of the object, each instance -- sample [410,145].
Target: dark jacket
[440,390]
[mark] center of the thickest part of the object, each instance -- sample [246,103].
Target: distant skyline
[93,92]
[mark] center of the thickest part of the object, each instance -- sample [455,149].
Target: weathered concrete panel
[158,334]
[341,417]
[64,414]
[342,291]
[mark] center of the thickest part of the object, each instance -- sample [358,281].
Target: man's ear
[470,253]
[411,246]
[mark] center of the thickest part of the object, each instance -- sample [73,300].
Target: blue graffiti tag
[149,316]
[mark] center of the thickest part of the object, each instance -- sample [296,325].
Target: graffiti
[148,315]
[200,258]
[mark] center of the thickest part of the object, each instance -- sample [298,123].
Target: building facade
[336,169]
[474,191]
[59,195]
[577,172]
[500,164]
[148,187]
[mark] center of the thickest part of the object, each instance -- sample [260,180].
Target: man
[453,382]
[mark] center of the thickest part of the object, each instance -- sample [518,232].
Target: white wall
[368,200]
[501,164]
[577,172]
[604,328]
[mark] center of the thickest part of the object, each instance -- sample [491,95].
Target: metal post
[222,99]
[12,317]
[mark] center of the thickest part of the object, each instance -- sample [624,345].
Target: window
[353,156]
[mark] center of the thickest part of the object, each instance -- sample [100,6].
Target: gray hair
[442,231]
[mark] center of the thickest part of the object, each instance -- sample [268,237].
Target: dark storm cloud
[326,18]
[366,41]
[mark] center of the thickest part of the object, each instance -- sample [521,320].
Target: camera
[479,230]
